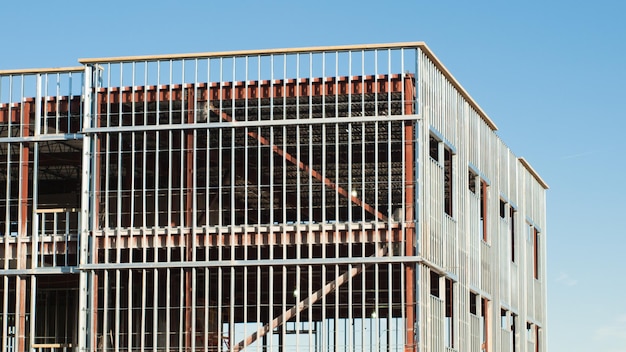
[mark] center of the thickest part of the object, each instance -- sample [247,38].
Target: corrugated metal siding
[505,341]
[487,267]
[436,325]
[475,334]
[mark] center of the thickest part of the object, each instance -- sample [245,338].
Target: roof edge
[31,71]
[312,49]
[458,86]
[534,173]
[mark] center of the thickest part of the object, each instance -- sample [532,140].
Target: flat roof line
[458,86]
[533,172]
[30,71]
[312,49]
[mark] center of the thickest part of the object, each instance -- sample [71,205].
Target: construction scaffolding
[332,198]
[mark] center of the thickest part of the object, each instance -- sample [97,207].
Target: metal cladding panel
[496,197]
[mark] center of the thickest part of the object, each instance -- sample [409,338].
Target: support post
[409,170]
[84,334]
[95,221]
[22,247]
[189,194]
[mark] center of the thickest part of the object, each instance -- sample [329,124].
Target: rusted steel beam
[254,238]
[265,89]
[215,91]
[24,159]
[10,112]
[27,107]
[21,318]
[409,194]
[51,106]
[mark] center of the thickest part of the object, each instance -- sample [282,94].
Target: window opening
[485,324]
[473,307]
[434,284]
[447,180]
[434,148]
[471,180]
[536,253]
[502,209]
[483,209]
[537,349]
[504,324]
[512,232]
[449,313]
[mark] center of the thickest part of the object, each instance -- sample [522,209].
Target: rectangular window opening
[449,313]
[502,209]
[483,209]
[447,179]
[537,348]
[434,284]
[473,307]
[512,232]
[471,181]
[504,324]
[513,332]
[434,148]
[536,254]
[484,316]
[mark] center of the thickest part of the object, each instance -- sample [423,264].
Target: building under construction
[351,198]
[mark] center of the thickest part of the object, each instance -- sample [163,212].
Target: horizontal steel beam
[255,263]
[205,125]
[34,71]
[57,270]
[43,138]
[261,52]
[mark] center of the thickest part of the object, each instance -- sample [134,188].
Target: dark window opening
[434,148]
[472,181]
[447,179]
[449,314]
[434,284]
[483,210]
[512,232]
[473,307]
[502,209]
[536,254]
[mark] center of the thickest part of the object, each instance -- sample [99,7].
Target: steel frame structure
[326,198]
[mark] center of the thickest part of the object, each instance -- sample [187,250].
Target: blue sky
[550,74]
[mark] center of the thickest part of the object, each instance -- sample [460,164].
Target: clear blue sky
[551,74]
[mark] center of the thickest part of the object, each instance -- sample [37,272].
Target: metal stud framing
[260,200]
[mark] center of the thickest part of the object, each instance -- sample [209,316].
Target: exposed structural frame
[326,198]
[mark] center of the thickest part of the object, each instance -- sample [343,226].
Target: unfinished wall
[344,198]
